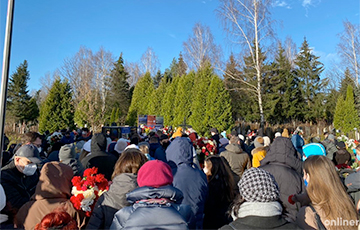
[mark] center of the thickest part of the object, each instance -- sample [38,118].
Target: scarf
[259,209]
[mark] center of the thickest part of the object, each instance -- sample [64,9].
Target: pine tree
[141,98]
[200,92]
[351,119]
[57,110]
[119,93]
[157,79]
[169,101]
[308,72]
[233,86]
[183,99]
[218,106]
[18,99]
[181,66]
[339,115]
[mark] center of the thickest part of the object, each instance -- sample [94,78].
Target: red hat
[154,173]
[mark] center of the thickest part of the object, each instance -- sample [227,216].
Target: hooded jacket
[237,159]
[112,201]
[187,176]
[18,187]
[146,214]
[99,158]
[282,162]
[52,191]
[67,155]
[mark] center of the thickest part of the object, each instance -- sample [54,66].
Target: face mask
[165,144]
[205,170]
[358,157]
[29,169]
[305,182]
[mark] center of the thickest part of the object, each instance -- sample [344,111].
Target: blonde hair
[327,192]
[144,149]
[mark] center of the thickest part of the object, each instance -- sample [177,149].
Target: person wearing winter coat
[259,152]
[20,177]
[330,145]
[258,206]
[52,192]
[282,162]
[188,177]
[237,158]
[221,192]
[156,204]
[98,157]
[67,155]
[297,141]
[123,182]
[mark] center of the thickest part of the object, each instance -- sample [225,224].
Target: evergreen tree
[308,72]
[281,91]
[18,99]
[157,79]
[181,66]
[345,82]
[156,99]
[218,106]
[141,98]
[183,99]
[339,113]
[351,119]
[80,115]
[57,110]
[200,92]
[330,105]
[233,87]
[169,101]
[119,93]
[113,116]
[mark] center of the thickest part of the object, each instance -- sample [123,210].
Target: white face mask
[205,170]
[29,169]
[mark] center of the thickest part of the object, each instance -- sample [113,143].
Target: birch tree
[349,48]
[248,24]
[150,62]
[201,48]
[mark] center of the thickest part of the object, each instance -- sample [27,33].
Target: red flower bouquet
[209,147]
[87,190]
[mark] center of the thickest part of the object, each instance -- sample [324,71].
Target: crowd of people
[179,180]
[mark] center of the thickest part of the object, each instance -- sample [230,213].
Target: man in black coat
[282,162]
[98,158]
[20,177]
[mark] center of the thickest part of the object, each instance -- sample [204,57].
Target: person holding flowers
[123,181]
[52,192]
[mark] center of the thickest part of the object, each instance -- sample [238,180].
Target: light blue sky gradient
[46,32]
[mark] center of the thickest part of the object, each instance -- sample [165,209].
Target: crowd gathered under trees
[200,178]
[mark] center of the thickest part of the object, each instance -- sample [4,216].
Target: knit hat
[163,137]
[259,142]
[234,133]
[154,173]
[223,133]
[132,146]
[178,132]
[144,143]
[30,152]
[241,137]
[121,144]
[277,134]
[258,185]
[67,152]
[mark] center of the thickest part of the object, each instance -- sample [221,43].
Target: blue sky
[46,32]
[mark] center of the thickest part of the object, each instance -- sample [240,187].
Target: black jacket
[282,162]
[112,201]
[98,157]
[148,215]
[258,222]
[18,187]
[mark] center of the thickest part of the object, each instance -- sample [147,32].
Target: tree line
[259,84]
